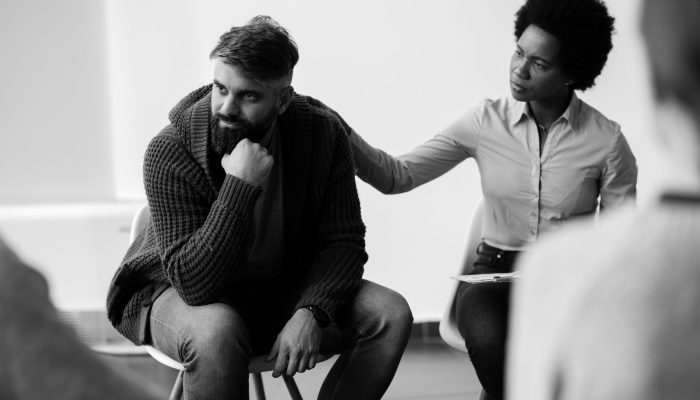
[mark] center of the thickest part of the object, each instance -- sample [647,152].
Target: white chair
[448,323]
[257,364]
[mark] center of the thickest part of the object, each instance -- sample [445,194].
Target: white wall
[397,70]
[54,116]
[77,246]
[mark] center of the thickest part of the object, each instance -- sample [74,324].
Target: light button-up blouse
[585,158]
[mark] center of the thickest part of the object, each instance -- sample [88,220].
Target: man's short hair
[672,38]
[584,30]
[262,49]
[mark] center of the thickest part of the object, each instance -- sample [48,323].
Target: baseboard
[93,328]
[425,332]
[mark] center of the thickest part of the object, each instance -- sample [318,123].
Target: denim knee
[217,333]
[400,313]
[391,311]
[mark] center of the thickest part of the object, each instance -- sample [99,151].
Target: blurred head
[672,38]
[561,46]
[253,67]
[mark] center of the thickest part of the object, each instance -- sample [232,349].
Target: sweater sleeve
[200,244]
[336,268]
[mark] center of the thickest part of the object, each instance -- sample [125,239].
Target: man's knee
[398,312]
[389,308]
[216,330]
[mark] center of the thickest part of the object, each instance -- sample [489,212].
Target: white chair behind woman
[448,323]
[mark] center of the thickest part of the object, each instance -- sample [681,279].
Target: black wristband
[319,315]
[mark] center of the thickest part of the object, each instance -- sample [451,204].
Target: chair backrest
[448,323]
[138,223]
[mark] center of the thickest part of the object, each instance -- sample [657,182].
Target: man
[256,243]
[42,358]
[611,311]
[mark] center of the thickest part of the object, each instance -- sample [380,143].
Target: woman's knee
[482,319]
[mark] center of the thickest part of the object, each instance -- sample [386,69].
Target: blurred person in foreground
[255,244]
[42,358]
[611,311]
[544,157]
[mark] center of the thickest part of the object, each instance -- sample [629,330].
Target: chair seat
[257,364]
[127,349]
[163,359]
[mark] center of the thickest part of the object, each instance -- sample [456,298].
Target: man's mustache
[229,120]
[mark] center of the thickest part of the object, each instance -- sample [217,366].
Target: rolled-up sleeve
[619,182]
[390,174]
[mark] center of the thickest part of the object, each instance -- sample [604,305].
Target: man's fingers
[293,363]
[273,353]
[312,360]
[281,362]
[303,363]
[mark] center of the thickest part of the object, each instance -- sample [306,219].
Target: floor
[429,370]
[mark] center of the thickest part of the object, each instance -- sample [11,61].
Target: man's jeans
[215,342]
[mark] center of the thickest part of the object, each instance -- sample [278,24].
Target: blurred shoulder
[581,248]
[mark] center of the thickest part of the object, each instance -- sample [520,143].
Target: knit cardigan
[201,218]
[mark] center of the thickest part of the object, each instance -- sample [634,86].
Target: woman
[544,157]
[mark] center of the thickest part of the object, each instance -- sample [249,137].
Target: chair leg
[292,387]
[259,388]
[176,394]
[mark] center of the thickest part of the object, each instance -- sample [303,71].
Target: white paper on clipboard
[489,278]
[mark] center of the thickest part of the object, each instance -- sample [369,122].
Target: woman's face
[535,70]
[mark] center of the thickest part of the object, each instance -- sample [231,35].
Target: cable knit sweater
[201,218]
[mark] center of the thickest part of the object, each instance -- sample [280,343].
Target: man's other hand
[296,347]
[248,161]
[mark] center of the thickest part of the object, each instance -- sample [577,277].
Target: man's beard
[224,138]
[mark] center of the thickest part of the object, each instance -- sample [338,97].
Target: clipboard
[489,278]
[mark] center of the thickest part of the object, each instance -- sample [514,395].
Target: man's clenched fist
[248,161]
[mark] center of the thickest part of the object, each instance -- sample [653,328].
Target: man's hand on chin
[296,347]
[248,161]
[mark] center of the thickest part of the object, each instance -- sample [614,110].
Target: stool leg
[292,387]
[259,388]
[176,394]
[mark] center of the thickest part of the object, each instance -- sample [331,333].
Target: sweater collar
[192,117]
